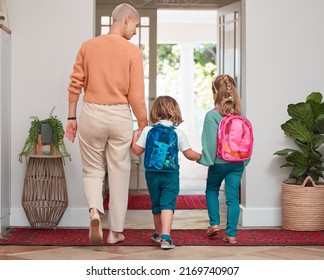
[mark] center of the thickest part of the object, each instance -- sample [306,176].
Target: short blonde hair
[166,108]
[123,10]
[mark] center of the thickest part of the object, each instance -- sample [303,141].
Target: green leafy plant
[35,129]
[306,127]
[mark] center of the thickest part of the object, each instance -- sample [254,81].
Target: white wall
[46,36]
[283,63]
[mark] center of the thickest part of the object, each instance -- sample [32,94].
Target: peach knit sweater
[110,70]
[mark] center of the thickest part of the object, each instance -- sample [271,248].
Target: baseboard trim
[260,217]
[79,217]
[73,217]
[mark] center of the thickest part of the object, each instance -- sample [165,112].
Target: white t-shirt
[183,143]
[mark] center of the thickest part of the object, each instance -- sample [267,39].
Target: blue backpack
[161,149]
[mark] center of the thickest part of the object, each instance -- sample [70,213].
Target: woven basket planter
[45,197]
[303,206]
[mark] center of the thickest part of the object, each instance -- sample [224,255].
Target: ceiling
[164,4]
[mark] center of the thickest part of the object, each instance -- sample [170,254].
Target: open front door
[229,41]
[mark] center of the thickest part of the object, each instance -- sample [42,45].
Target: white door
[229,41]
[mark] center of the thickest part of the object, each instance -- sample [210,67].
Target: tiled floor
[183,219]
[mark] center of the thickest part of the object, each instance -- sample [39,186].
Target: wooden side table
[45,197]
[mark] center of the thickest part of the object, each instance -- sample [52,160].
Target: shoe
[213,230]
[167,244]
[115,238]
[95,230]
[229,239]
[156,237]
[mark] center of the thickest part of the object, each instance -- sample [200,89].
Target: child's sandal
[228,239]
[212,230]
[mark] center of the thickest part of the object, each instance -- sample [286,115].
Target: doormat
[181,237]
[143,202]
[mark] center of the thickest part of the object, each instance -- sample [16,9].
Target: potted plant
[302,194]
[53,134]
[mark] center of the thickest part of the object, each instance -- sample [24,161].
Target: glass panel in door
[229,41]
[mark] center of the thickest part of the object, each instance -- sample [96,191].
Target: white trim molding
[263,217]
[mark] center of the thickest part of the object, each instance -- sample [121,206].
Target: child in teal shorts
[163,182]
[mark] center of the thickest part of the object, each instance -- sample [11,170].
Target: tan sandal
[213,230]
[229,239]
[95,230]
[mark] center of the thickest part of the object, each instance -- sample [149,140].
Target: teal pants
[232,174]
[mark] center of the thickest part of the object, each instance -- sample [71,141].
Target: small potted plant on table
[50,132]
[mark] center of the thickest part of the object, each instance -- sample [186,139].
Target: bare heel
[95,230]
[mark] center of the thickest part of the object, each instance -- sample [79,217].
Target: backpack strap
[162,125]
[217,109]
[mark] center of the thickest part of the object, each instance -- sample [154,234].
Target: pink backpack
[235,138]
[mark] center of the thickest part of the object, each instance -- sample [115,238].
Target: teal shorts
[163,188]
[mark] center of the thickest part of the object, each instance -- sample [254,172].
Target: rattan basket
[303,206]
[45,197]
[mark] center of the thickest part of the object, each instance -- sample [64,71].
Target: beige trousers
[105,134]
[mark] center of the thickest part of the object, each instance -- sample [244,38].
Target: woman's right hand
[71,130]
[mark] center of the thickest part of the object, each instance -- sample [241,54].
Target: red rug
[141,237]
[143,202]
